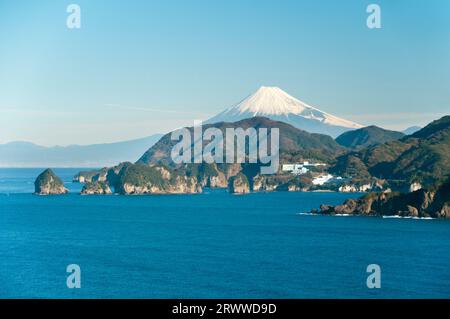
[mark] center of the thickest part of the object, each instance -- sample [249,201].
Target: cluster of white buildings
[327,178]
[300,169]
[303,168]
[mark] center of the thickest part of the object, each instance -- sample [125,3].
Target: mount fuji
[277,105]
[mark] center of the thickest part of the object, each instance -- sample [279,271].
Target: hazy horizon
[136,69]
[162,133]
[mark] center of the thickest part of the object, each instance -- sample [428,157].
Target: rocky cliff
[47,183]
[432,202]
[143,179]
[96,188]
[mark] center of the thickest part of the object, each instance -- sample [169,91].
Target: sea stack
[239,184]
[47,183]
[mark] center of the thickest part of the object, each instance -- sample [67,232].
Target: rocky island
[433,202]
[47,183]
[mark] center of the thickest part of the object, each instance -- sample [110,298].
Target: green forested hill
[295,144]
[367,136]
[423,156]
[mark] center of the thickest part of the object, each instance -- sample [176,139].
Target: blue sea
[211,245]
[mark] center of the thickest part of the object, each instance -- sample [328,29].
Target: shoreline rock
[47,183]
[434,203]
[96,188]
[139,179]
[239,184]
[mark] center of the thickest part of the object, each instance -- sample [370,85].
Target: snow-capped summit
[274,103]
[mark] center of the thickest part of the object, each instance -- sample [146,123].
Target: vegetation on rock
[47,183]
[96,188]
[423,156]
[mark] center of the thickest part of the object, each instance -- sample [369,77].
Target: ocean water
[212,245]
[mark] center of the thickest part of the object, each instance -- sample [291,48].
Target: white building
[299,168]
[296,169]
[328,178]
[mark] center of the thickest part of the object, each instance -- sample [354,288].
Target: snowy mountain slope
[274,103]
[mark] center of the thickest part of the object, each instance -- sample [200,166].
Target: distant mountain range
[25,154]
[277,105]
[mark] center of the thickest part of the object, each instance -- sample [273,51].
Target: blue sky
[141,67]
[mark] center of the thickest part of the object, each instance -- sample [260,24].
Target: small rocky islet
[47,183]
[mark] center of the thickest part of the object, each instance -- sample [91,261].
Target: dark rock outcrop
[96,188]
[431,202]
[47,183]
